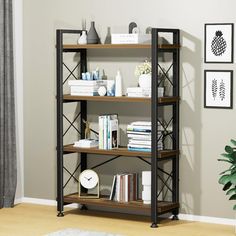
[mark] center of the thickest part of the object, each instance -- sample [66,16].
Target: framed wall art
[218,89]
[219,43]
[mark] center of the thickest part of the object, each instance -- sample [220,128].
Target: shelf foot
[154,225]
[60,214]
[83,207]
[175,217]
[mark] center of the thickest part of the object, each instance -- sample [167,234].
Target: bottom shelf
[163,206]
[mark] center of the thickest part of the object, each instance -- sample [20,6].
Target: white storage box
[130,38]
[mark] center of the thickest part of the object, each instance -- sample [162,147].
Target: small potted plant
[228,177]
[143,72]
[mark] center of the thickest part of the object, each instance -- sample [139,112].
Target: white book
[130,38]
[141,142]
[86,143]
[137,95]
[139,132]
[139,137]
[118,197]
[79,89]
[84,93]
[81,82]
[114,127]
[141,123]
[139,128]
[101,131]
[137,90]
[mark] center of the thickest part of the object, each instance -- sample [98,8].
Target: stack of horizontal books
[85,87]
[139,135]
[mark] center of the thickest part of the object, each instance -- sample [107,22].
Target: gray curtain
[7,108]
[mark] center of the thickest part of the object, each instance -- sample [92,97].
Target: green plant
[228,177]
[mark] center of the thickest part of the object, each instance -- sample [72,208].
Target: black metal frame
[60,82]
[174,134]
[154,116]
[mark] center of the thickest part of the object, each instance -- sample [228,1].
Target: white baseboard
[207,219]
[46,202]
[188,217]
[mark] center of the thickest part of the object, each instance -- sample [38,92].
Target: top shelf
[120,46]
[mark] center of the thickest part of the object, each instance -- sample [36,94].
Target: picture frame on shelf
[218,43]
[218,89]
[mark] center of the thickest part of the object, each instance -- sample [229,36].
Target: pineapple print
[218,44]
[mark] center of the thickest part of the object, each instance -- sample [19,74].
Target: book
[101,131]
[141,142]
[130,38]
[139,146]
[108,131]
[86,143]
[84,94]
[81,82]
[139,137]
[113,129]
[139,149]
[83,89]
[113,188]
[138,132]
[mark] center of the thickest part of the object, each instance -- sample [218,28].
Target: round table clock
[90,181]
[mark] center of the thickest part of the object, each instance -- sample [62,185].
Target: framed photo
[219,43]
[218,89]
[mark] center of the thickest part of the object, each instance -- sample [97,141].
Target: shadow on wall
[190,126]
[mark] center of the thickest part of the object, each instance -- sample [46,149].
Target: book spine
[101,131]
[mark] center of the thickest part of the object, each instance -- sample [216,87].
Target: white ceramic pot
[145,81]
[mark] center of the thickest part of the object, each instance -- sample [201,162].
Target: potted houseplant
[228,177]
[143,72]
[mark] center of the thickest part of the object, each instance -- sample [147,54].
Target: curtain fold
[7,108]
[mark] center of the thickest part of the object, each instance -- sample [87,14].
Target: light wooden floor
[33,220]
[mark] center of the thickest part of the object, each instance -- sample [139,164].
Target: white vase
[83,38]
[145,81]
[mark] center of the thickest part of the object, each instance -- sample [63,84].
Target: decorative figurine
[87,132]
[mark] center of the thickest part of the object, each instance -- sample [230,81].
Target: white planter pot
[145,81]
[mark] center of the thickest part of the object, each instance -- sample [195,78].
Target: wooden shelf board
[105,202]
[119,151]
[163,100]
[119,46]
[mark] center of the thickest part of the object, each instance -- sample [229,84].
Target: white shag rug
[78,232]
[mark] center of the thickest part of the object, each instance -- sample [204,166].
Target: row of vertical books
[139,136]
[108,131]
[124,187]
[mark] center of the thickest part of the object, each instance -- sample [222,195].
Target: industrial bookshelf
[151,158]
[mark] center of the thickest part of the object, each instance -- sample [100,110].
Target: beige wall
[204,132]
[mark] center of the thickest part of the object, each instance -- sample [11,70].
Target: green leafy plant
[228,177]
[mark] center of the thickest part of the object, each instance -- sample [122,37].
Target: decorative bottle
[118,86]
[92,37]
[83,38]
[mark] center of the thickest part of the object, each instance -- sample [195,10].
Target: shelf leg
[175,217]
[175,214]
[83,207]
[154,225]
[60,214]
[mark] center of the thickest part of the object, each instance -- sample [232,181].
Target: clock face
[88,179]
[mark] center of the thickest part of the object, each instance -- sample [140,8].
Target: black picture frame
[219,43]
[218,89]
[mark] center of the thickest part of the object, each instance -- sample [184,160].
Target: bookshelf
[153,158]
